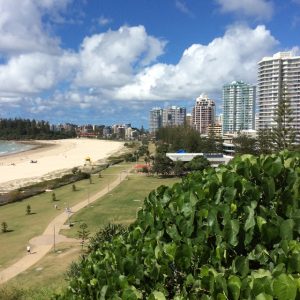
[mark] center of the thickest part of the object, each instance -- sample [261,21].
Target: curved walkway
[42,244]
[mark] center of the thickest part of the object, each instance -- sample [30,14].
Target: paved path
[42,244]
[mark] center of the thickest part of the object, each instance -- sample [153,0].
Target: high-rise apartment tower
[155,119]
[203,114]
[278,78]
[238,107]
[173,116]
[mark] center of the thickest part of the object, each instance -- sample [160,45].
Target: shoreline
[35,145]
[51,159]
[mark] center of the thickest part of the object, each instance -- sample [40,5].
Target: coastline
[34,143]
[51,159]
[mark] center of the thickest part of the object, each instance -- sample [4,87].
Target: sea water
[9,147]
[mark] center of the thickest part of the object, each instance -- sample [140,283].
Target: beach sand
[53,159]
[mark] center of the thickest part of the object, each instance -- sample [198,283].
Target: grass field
[43,279]
[23,227]
[118,206]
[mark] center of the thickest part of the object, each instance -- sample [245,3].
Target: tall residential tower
[278,76]
[155,119]
[203,114]
[238,107]
[173,116]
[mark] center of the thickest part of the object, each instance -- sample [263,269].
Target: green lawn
[23,227]
[43,279]
[118,206]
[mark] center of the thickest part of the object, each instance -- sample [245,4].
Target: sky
[111,61]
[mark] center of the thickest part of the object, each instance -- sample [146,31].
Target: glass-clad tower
[238,107]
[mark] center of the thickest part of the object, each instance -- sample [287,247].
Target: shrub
[225,233]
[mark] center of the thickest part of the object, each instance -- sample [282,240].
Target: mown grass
[23,227]
[119,205]
[43,279]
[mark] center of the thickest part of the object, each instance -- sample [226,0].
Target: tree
[245,144]
[264,141]
[162,164]
[4,227]
[28,209]
[83,233]
[198,163]
[283,134]
[179,168]
[214,143]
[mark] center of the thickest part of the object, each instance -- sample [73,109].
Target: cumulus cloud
[260,9]
[203,67]
[109,59]
[21,26]
[34,72]
[122,65]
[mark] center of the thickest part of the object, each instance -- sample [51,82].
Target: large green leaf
[234,286]
[231,230]
[273,167]
[285,287]
[263,296]
[268,186]
[250,221]
[156,295]
[286,229]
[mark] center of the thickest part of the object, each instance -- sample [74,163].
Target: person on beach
[28,249]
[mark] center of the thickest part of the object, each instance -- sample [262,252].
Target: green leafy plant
[225,233]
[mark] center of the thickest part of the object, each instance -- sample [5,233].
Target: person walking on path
[28,249]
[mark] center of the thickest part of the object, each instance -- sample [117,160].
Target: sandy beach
[52,158]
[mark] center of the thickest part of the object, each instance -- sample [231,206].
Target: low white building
[214,158]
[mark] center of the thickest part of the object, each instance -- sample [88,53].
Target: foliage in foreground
[228,233]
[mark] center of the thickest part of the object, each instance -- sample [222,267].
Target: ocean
[9,147]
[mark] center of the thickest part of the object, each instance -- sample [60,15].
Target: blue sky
[110,61]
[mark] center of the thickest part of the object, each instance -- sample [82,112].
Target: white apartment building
[278,76]
[238,107]
[203,114]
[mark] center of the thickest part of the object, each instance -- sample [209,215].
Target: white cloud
[260,9]
[109,59]
[104,21]
[21,26]
[34,72]
[203,67]
[122,65]
[180,5]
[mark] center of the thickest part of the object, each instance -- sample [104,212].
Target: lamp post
[54,238]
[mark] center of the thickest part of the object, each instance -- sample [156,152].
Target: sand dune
[56,156]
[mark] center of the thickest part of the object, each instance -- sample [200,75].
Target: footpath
[42,244]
